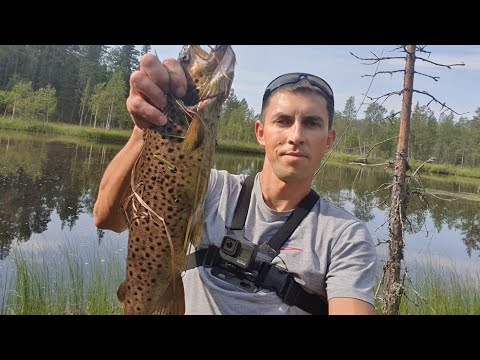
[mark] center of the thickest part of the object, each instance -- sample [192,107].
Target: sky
[257,65]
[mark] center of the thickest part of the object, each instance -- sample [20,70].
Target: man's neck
[280,195]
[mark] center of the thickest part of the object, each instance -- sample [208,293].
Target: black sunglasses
[293,78]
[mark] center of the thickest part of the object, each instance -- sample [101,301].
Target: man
[329,257]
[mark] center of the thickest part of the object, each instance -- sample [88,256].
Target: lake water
[48,187]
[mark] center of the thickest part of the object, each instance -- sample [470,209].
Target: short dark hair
[300,82]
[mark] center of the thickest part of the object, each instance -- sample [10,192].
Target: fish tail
[172,302]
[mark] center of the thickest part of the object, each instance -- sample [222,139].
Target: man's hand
[149,87]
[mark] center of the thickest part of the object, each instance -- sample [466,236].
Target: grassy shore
[121,136]
[101,135]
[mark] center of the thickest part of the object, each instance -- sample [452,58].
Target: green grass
[440,290]
[64,283]
[428,168]
[99,135]
[70,132]
[240,147]
[67,283]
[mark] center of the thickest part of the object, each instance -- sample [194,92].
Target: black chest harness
[248,266]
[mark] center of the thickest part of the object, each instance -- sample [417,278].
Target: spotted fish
[168,183]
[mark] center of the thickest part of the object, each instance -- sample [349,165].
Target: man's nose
[296,133]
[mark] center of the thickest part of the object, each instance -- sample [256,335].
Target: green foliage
[441,289]
[237,121]
[64,282]
[145,49]
[23,102]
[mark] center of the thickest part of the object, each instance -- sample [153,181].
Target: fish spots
[166,180]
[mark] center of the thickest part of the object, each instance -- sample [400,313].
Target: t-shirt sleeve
[351,272]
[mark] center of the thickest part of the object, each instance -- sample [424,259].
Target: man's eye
[281,121]
[314,123]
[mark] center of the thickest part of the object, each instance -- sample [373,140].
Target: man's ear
[332,134]
[259,132]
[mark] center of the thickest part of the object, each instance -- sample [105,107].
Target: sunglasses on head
[293,78]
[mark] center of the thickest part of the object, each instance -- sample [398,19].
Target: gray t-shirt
[331,253]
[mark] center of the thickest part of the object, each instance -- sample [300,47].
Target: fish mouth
[209,74]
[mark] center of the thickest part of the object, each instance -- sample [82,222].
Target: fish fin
[194,228]
[172,301]
[195,135]
[121,291]
[197,232]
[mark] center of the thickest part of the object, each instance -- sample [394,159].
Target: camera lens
[229,246]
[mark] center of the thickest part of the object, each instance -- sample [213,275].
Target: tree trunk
[95,122]
[393,289]
[110,115]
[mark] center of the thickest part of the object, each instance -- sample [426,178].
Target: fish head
[209,74]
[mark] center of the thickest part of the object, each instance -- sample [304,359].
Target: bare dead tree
[392,281]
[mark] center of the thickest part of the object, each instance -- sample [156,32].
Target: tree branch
[432,159]
[377,58]
[438,64]
[438,102]
[384,72]
[386,96]
[421,48]
[430,76]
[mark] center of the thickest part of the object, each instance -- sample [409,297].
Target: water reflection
[365,192]
[38,177]
[44,182]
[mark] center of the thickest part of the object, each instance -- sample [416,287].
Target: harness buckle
[210,256]
[290,291]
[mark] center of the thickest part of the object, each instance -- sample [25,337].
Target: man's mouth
[295,154]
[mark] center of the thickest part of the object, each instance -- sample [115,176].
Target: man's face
[295,134]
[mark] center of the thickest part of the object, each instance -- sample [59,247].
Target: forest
[87,85]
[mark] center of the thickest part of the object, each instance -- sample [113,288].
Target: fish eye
[185,58]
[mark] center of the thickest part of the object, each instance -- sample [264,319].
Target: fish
[169,180]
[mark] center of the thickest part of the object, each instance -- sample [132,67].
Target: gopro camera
[239,252]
